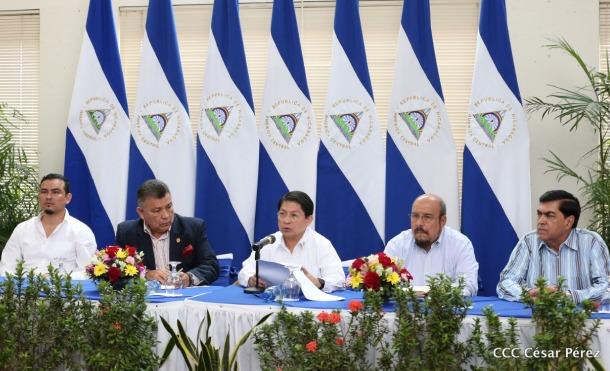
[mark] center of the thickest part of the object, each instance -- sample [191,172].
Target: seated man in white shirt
[52,237]
[297,244]
[430,247]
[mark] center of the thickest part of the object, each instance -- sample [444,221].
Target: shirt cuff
[195,281]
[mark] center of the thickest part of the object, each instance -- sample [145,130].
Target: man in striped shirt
[557,249]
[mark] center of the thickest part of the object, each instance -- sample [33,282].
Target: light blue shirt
[451,254]
[583,261]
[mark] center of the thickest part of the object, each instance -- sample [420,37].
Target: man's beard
[423,243]
[49,211]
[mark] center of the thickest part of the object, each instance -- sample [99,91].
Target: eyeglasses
[291,216]
[426,218]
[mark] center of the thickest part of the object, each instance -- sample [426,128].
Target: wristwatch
[322,282]
[193,280]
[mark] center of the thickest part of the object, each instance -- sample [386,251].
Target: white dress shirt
[452,254]
[71,245]
[314,252]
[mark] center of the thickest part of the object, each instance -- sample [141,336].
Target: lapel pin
[177,239]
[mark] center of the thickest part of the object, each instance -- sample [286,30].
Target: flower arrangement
[377,272]
[115,262]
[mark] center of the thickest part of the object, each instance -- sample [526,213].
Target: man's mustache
[420,230]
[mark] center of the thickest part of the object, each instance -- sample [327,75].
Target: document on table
[311,292]
[273,273]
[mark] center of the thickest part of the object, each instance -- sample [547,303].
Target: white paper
[311,292]
[274,274]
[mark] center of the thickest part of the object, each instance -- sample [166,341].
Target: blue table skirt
[235,295]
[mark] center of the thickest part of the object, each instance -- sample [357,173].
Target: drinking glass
[174,280]
[290,287]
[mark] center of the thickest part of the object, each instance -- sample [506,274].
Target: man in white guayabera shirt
[52,237]
[297,244]
[430,247]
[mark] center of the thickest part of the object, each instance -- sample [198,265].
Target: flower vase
[120,284]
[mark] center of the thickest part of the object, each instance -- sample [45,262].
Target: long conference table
[235,313]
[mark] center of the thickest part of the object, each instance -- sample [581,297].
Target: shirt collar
[66,216]
[569,242]
[302,242]
[162,237]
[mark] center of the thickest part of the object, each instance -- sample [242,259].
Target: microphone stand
[257,256]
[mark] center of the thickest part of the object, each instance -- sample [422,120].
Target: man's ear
[140,212]
[443,220]
[570,221]
[68,198]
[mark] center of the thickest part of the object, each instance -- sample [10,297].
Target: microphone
[263,242]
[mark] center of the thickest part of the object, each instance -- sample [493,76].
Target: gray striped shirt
[583,261]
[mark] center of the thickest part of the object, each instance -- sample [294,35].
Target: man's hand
[311,277]
[186,280]
[161,275]
[252,282]
[550,288]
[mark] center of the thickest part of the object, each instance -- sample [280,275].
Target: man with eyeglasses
[297,244]
[430,247]
[52,237]
[557,248]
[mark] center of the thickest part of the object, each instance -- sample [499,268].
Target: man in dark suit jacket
[164,236]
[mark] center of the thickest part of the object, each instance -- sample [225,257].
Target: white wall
[531,23]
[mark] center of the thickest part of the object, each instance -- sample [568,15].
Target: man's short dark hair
[152,188]
[300,198]
[52,176]
[568,204]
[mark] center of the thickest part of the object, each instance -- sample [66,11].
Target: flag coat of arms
[97,137]
[227,141]
[287,130]
[420,151]
[496,195]
[161,136]
[351,162]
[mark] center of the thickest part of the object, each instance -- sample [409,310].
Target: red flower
[312,346]
[323,316]
[355,306]
[131,251]
[357,263]
[334,318]
[384,260]
[372,281]
[112,250]
[339,341]
[188,250]
[117,326]
[114,274]
[405,274]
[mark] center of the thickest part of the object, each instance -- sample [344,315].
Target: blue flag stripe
[285,34]
[227,33]
[139,172]
[161,31]
[225,231]
[101,32]
[493,29]
[349,227]
[271,188]
[486,224]
[348,30]
[416,24]
[86,205]
[401,190]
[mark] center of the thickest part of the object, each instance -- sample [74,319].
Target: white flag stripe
[433,162]
[499,166]
[297,166]
[91,84]
[172,158]
[239,175]
[345,85]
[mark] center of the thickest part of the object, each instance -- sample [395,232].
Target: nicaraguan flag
[420,152]
[496,204]
[287,130]
[97,137]
[227,149]
[351,162]
[161,136]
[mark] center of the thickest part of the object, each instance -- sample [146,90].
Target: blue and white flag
[227,149]
[287,130]
[420,152]
[97,137]
[161,136]
[496,203]
[351,161]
